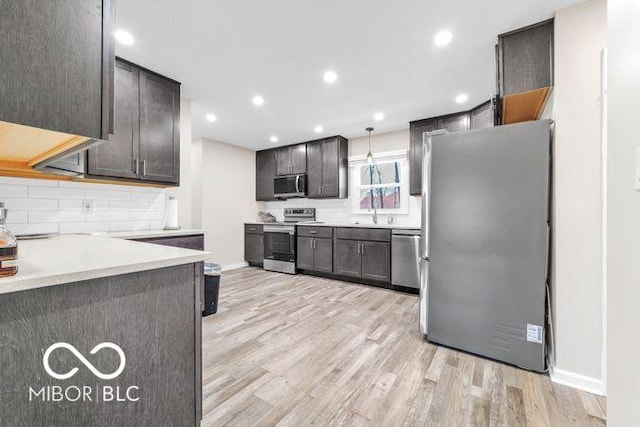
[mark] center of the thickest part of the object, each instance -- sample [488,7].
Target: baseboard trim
[234,266]
[578,381]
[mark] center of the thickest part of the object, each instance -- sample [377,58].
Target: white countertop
[345,224]
[71,258]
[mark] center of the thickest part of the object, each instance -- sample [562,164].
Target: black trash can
[211,288]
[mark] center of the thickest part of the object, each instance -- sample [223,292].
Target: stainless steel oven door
[279,243]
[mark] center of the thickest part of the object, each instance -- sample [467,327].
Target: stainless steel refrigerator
[485,239]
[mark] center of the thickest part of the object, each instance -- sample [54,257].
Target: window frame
[355,166]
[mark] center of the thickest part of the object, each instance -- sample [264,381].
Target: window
[383,184]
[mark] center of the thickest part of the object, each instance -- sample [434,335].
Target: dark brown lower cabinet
[323,255]
[315,254]
[376,261]
[364,259]
[253,244]
[347,261]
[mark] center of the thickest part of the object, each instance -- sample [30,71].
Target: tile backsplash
[46,206]
[339,210]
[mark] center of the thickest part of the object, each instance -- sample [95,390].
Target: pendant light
[369,155]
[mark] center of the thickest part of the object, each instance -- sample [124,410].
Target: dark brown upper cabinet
[482,116]
[525,59]
[452,122]
[291,160]
[57,61]
[327,168]
[145,145]
[265,172]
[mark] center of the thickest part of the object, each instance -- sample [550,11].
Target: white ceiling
[226,51]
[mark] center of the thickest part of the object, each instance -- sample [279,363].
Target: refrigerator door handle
[424,295]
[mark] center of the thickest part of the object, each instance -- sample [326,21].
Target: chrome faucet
[375,214]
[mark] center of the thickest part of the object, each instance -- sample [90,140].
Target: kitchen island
[96,330]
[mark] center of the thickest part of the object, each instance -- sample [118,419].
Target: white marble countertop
[346,224]
[72,257]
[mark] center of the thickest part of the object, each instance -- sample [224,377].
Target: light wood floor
[299,350]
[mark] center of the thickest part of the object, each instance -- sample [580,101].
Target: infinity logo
[81,358]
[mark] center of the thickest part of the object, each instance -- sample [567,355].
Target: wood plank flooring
[299,351]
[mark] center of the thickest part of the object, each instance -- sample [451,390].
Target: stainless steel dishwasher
[405,256]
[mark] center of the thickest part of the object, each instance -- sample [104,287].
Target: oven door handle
[297,181]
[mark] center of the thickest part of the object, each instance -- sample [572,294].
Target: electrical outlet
[87,206]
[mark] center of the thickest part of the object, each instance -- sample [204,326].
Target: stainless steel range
[280,240]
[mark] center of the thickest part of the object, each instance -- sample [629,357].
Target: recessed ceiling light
[462,98]
[330,77]
[443,38]
[211,117]
[273,139]
[124,37]
[257,100]
[318,129]
[378,116]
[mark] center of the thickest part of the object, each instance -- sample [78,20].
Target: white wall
[339,210]
[623,297]
[226,198]
[580,36]
[183,193]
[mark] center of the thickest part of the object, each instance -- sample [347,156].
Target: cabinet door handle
[362,248]
[136,166]
[311,243]
[144,168]
[315,244]
[358,247]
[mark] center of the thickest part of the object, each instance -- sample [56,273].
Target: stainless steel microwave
[290,186]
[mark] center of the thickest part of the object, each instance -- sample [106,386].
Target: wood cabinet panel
[525,59]
[254,248]
[457,122]
[482,116]
[347,260]
[254,228]
[327,168]
[298,158]
[323,255]
[311,231]
[265,172]
[159,128]
[416,132]
[315,165]
[291,159]
[164,364]
[52,64]
[117,156]
[305,253]
[358,233]
[376,261]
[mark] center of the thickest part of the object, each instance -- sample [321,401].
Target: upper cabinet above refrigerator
[57,78]
[525,71]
